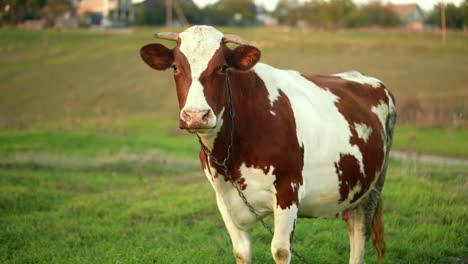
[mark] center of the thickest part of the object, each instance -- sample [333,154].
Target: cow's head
[200,61]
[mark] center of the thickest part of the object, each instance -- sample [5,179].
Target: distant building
[107,12]
[411,15]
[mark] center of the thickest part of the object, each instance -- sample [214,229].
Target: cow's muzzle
[195,119]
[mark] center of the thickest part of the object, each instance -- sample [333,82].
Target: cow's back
[341,125]
[365,104]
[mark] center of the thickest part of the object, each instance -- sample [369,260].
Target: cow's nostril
[186,116]
[195,118]
[206,116]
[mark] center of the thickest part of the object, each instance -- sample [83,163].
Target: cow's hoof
[281,256]
[240,259]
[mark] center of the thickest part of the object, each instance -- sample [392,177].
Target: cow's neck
[244,96]
[224,120]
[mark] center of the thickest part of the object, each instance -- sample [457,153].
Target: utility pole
[180,14]
[174,4]
[105,13]
[442,22]
[169,13]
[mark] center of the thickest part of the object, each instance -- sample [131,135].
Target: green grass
[441,141]
[161,211]
[82,142]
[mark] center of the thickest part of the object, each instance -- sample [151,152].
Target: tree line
[345,13]
[315,13]
[223,12]
[455,17]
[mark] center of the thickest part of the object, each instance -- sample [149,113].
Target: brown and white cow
[302,146]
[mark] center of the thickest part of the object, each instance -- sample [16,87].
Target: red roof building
[411,15]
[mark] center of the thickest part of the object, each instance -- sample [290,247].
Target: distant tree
[381,15]
[191,11]
[464,10]
[335,13]
[55,9]
[337,10]
[16,11]
[357,18]
[315,13]
[288,12]
[139,13]
[455,17]
[230,12]
[331,13]
[372,14]
[154,12]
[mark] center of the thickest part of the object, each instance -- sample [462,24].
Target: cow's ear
[157,56]
[243,57]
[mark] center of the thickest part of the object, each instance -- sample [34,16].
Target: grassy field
[93,168]
[438,140]
[81,79]
[72,200]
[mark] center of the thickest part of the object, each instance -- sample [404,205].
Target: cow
[294,145]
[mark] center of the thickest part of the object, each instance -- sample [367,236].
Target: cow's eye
[223,69]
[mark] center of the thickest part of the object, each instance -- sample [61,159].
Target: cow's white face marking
[356,76]
[199,44]
[363,131]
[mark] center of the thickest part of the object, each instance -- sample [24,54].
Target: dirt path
[427,158]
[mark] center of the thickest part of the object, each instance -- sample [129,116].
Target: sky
[271,4]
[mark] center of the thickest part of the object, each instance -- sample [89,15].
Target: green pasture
[94,80]
[93,167]
[436,140]
[82,200]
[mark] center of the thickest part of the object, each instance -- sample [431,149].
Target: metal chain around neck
[223,166]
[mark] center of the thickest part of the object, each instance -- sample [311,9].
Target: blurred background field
[93,167]
[95,81]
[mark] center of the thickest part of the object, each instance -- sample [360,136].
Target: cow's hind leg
[362,222]
[355,223]
[366,219]
[240,238]
[285,222]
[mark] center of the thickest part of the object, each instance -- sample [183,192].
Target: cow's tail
[377,233]
[377,229]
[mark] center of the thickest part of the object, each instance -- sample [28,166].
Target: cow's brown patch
[261,140]
[213,79]
[355,103]
[182,77]
[349,174]
[241,183]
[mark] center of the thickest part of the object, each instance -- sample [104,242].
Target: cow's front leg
[285,222]
[240,238]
